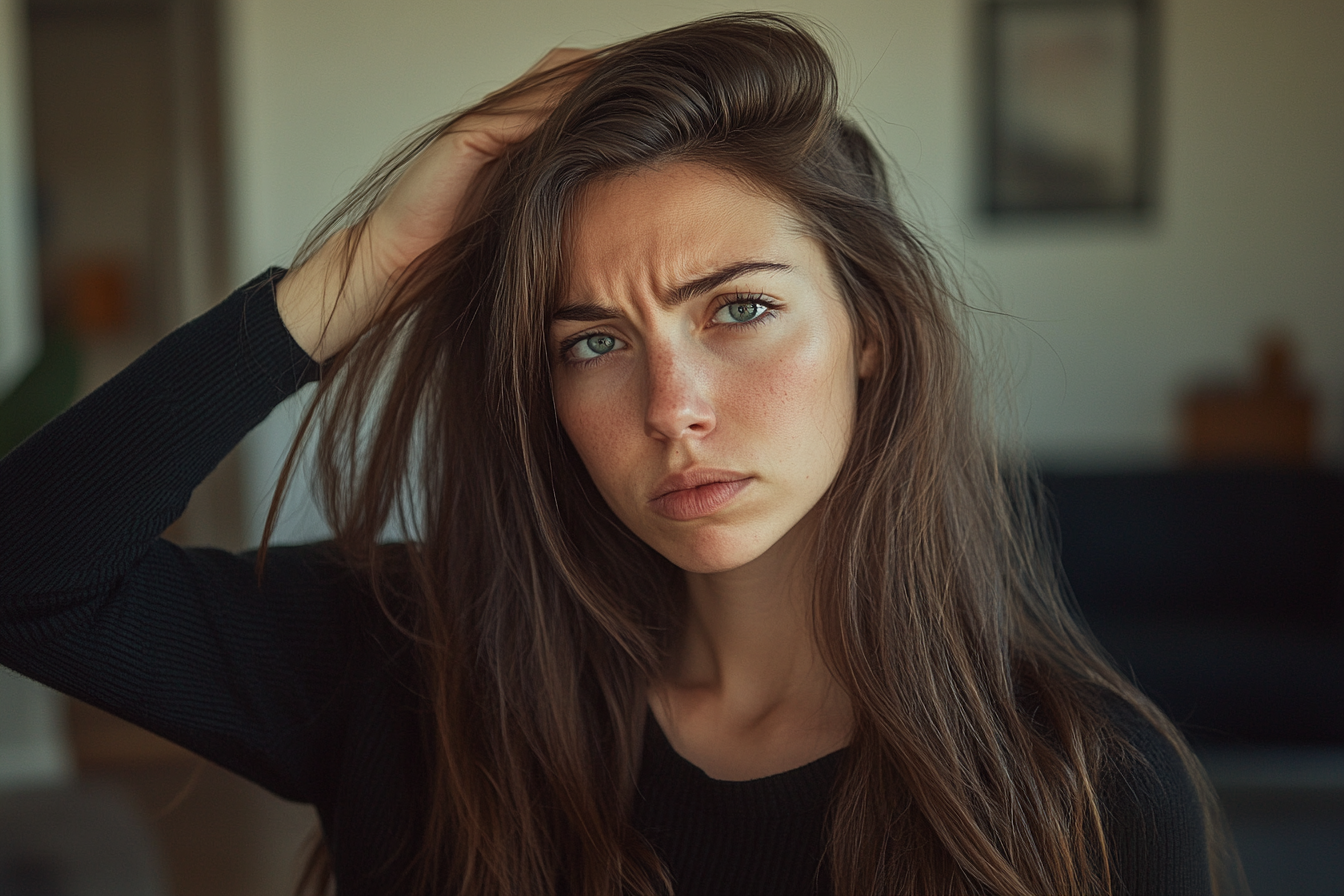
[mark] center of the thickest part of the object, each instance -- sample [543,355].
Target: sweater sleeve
[1154,819]
[186,642]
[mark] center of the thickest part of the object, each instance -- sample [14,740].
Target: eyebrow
[589,312]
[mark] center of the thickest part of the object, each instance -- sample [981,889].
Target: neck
[749,631]
[746,690]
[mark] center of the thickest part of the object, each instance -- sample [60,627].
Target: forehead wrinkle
[656,265]
[725,274]
[592,311]
[583,296]
[620,261]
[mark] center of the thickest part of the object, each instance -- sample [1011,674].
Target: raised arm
[334,296]
[189,642]
[94,603]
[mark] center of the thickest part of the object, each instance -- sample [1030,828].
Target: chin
[705,566]
[711,551]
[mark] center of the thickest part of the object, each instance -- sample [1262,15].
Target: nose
[678,405]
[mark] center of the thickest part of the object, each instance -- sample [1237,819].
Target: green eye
[741,312]
[600,345]
[594,346]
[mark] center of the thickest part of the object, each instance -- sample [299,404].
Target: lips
[696,493]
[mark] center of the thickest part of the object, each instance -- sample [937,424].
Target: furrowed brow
[714,280]
[591,312]
[585,312]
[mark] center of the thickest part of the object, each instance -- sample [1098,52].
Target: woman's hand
[432,196]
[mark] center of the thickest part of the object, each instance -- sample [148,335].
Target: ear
[868,359]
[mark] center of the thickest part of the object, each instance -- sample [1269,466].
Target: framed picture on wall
[1068,96]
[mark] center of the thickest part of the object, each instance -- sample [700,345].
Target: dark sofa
[1220,590]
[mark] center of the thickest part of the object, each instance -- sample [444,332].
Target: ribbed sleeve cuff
[264,341]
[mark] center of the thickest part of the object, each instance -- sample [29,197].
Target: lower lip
[693,503]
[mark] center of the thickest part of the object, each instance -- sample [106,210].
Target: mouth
[696,493]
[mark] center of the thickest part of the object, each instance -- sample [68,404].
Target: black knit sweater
[299,684]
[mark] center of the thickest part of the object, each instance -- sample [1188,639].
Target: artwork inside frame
[1068,96]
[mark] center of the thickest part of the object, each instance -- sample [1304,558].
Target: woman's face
[705,366]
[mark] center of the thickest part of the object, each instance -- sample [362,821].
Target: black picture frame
[1069,101]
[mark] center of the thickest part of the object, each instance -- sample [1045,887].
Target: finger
[526,107]
[493,134]
[547,79]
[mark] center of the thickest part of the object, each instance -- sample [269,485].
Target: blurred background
[1170,349]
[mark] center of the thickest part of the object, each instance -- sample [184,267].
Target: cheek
[807,400]
[594,421]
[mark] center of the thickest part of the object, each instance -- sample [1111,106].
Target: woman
[711,582]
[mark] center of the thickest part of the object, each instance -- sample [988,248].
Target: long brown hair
[979,755]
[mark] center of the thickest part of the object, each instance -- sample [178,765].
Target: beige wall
[1249,234]
[1114,318]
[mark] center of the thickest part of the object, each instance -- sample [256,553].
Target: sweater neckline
[798,791]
